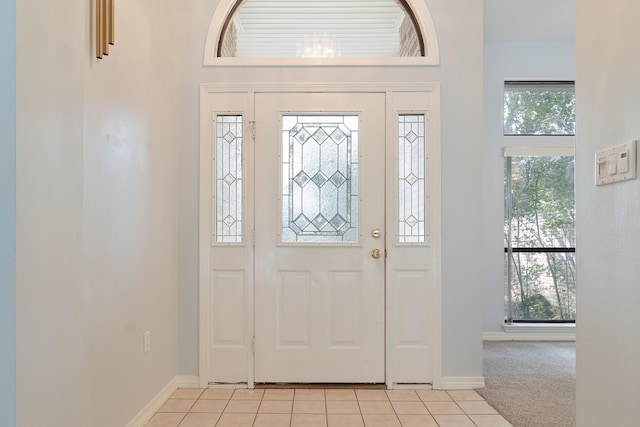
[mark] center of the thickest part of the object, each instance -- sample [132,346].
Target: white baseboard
[410,387]
[152,407]
[462,383]
[186,381]
[533,332]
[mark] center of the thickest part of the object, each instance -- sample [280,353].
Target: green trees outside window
[539,108]
[540,221]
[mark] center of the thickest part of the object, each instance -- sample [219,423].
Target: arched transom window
[321,29]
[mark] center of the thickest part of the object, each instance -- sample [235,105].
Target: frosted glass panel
[320,178]
[411,179]
[228,179]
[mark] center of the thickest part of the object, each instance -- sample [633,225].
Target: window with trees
[539,108]
[539,227]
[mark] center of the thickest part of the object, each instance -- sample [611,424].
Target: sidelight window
[411,178]
[228,179]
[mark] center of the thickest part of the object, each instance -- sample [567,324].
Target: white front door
[298,192]
[319,267]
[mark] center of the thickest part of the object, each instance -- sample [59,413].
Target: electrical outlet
[146,342]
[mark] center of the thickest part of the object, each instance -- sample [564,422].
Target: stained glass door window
[411,178]
[320,179]
[228,179]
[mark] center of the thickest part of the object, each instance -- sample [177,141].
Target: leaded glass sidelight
[320,178]
[411,178]
[228,179]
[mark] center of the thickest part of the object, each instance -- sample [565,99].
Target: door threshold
[327,386]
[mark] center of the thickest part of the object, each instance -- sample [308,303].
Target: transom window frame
[416,8]
[567,86]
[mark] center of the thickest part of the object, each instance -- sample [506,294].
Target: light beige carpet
[532,384]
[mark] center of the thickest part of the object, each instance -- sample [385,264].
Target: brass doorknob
[376,253]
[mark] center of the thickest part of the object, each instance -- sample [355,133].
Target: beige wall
[509,61]
[107,204]
[608,217]
[107,189]
[459,29]
[97,213]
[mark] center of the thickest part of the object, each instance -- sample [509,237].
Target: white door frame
[211,89]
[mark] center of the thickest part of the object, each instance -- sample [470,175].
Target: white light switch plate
[616,164]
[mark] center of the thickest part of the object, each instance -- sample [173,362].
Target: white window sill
[541,327]
[534,332]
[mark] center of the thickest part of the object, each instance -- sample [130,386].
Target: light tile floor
[325,408]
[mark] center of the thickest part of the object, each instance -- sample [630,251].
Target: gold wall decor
[104,27]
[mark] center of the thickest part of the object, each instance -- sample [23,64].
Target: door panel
[410,237]
[319,293]
[226,249]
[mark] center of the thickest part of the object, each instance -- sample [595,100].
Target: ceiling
[357,28]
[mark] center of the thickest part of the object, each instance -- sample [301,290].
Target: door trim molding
[320,87]
[249,89]
[462,383]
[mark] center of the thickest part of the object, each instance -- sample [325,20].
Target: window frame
[420,238]
[550,84]
[509,250]
[402,4]
[522,145]
[353,152]
[218,238]
[418,8]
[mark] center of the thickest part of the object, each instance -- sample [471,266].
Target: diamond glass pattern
[320,136]
[320,179]
[411,179]
[301,179]
[228,179]
[338,179]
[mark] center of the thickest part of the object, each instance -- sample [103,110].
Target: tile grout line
[326,409]
[255,418]
[388,399]
[225,406]
[393,407]
[458,405]
[190,408]
[359,407]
